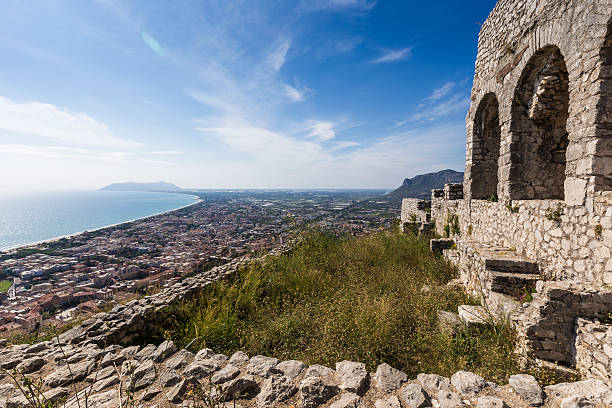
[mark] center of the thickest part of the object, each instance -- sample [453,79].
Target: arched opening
[539,136]
[603,159]
[486,139]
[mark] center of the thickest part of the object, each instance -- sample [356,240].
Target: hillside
[422,184]
[132,186]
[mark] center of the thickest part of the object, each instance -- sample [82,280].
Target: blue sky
[234,94]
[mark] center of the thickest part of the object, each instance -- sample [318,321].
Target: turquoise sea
[29,218]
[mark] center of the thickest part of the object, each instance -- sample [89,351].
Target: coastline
[8,251]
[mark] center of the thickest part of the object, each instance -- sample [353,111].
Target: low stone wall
[593,348]
[569,243]
[145,318]
[548,324]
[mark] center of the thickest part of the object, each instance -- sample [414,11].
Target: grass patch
[5,285]
[354,298]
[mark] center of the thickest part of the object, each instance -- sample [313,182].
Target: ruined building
[535,210]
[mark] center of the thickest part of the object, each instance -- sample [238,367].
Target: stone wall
[594,349]
[568,242]
[548,66]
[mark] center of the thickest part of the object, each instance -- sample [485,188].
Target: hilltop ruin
[534,212]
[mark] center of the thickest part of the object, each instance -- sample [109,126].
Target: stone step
[511,264]
[512,283]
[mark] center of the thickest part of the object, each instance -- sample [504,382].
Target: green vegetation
[512,208]
[355,298]
[5,285]
[555,214]
[44,333]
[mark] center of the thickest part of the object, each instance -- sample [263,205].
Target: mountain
[421,185]
[132,186]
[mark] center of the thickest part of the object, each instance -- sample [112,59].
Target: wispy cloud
[49,121]
[321,131]
[278,54]
[294,94]
[153,44]
[455,103]
[61,152]
[343,145]
[394,55]
[442,91]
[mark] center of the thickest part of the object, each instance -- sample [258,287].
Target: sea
[34,217]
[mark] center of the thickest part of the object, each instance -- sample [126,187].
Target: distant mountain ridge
[421,185]
[133,186]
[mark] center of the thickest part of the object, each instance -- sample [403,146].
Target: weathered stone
[262,366]
[201,368]
[591,389]
[30,365]
[163,351]
[105,383]
[577,402]
[112,359]
[101,374]
[291,368]
[473,315]
[314,391]
[467,383]
[317,370]
[388,378]
[179,360]
[449,399]
[67,375]
[204,354]
[348,400]
[433,383]
[413,396]
[178,392]
[491,402]
[391,402]
[56,395]
[276,389]
[168,378]
[238,358]
[241,387]
[144,375]
[229,372]
[145,353]
[527,387]
[353,376]
[151,392]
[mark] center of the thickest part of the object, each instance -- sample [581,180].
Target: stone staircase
[498,273]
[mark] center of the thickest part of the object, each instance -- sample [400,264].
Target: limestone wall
[568,242]
[545,67]
[593,349]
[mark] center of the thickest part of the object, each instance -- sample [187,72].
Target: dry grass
[336,298]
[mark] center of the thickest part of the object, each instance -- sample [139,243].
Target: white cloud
[394,55]
[49,121]
[152,43]
[278,55]
[454,104]
[165,152]
[321,130]
[442,91]
[73,153]
[212,100]
[294,94]
[343,145]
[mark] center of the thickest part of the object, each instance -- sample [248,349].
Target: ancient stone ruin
[531,226]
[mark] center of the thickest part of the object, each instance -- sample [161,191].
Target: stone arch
[602,162]
[486,138]
[539,136]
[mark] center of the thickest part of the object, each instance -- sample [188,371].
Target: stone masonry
[532,222]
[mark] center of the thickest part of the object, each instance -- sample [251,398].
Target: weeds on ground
[354,298]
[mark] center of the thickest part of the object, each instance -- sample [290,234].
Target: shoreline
[8,251]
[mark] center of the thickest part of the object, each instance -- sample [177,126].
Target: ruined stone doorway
[539,136]
[485,154]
